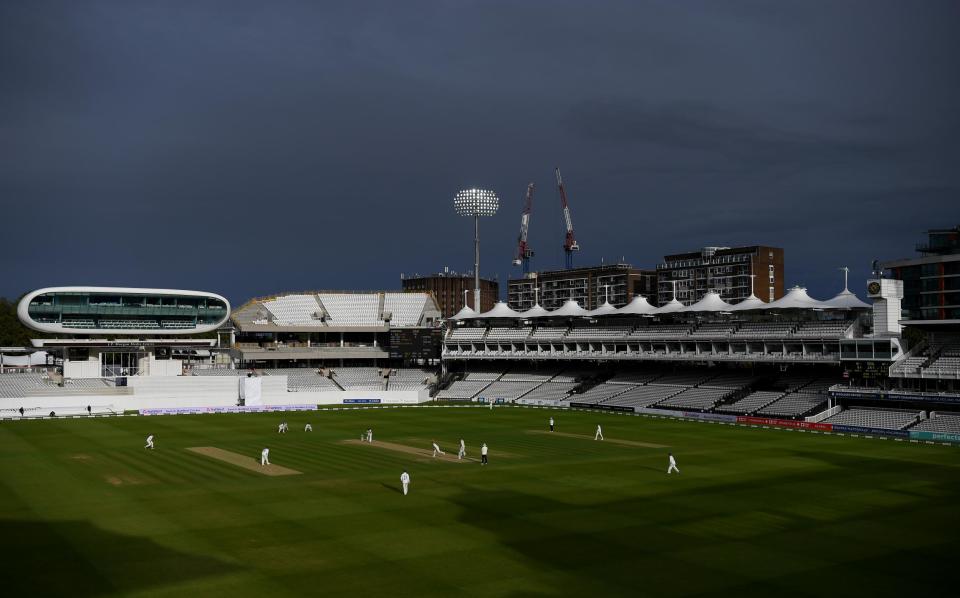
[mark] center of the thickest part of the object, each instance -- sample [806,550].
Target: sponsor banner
[714,417]
[785,423]
[361,401]
[230,409]
[664,412]
[938,436]
[625,408]
[874,431]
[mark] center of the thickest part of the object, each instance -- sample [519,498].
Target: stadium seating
[303,379]
[508,334]
[751,403]
[874,418]
[600,393]
[599,332]
[643,396]
[683,377]
[654,331]
[359,378]
[406,309]
[294,310]
[696,398]
[508,391]
[944,423]
[352,309]
[547,333]
[823,329]
[634,378]
[550,391]
[764,329]
[408,379]
[528,376]
[730,380]
[466,334]
[793,405]
[484,375]
[713,330]
[463,389]
[570,376]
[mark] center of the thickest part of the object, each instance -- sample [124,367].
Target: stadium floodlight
[476,203]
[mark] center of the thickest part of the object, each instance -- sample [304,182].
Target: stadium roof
[500,310]
[569,309]
[637,306]
[710,302]
[534,312]
[463,314]
[669,308]
[846,300]
[796,298]
[603,310]
[751,302]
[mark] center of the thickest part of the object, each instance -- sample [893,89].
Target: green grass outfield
[85,510]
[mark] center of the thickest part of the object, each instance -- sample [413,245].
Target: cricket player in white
[405,480]
[280,428]
[463,450]
[551,423]
[483,454]
[491,404]
[265,457]
[369,434]
[673,465]
[149,442]
[599,434]
[436,449]
[308,428]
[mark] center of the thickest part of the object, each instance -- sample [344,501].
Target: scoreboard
[409,344]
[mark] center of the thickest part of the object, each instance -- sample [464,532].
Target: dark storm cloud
[250,147]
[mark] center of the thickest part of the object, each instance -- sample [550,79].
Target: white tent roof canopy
[463,314]
[570,309]
[500,310]
[603,310]
[710,302]
[751,302]
[796,298]
[534,312]
[846,300]
[669,308]
[637,306]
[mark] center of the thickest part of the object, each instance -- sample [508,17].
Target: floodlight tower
[476,203]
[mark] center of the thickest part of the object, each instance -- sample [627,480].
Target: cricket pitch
[241,461]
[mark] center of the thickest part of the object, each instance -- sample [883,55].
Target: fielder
[599,434]
[491,404]
[551,423]
[369,434]
[265,457]
[483,454]
[149,442]
[673,465]
[405,480]
[463,450]
[436,449]
[308,428]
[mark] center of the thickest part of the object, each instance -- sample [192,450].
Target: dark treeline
[12,332]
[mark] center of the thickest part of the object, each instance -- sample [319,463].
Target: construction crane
[570,242]
[524,253]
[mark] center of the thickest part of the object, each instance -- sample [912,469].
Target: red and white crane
[524,253]
[570,242]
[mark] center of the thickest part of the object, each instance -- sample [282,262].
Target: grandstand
[942,423]
[794,405]
[882,419]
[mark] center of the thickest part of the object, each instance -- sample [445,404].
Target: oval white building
[122,311]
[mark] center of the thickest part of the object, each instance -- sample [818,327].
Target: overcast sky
[248,148]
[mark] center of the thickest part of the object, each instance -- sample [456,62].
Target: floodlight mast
[476,203]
